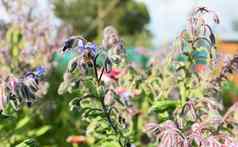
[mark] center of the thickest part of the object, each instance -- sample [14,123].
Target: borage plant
[189,106]
[106,124]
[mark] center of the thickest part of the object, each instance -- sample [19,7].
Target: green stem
[104,107]
[100,77]
[95,70]
[107,114]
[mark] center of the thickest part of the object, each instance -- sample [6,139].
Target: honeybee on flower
[86,52]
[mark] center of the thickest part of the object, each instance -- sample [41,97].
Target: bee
[81,61]
[87,58]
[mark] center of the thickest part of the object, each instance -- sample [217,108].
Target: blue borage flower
[92,47]
[81,44]
[39,71]
[24,89]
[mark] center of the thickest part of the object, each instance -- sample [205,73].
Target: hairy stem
[104,107]
[95,70]
[109,119]
[100,77]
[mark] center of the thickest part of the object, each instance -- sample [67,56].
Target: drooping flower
[230,116]
[167,134]
[189,108]
[3,96]
[200,68]
[24,89]
[122,91]
[113,44]
[113,75]
[12,81]
[80,45]
[74,42]
[126,94]
[110,37]
[152,128]
[133,111]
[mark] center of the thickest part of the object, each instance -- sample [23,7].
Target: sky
[168,17]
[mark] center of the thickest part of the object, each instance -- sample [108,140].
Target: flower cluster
[113,43]
[22,90]
[229,68]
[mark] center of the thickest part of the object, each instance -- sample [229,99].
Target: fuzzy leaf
[28,143]
[42,130]
[161,106]
[22,122]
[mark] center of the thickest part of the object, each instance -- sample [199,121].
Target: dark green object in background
[132,55]
[128,16]
[63,60]
[229,93]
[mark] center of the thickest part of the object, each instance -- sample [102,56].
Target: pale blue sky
[168,17]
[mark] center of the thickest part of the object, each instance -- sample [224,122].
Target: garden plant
[177,101]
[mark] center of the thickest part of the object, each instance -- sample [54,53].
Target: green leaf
[91,85]
[42,130]
[110,144]
[4,116]
[164,105]
[187,47]
[28,143]
[22,122]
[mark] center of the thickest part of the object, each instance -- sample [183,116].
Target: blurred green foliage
[89,17]
[229,93]
[49,118]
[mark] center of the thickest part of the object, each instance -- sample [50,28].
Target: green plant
[93,62]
